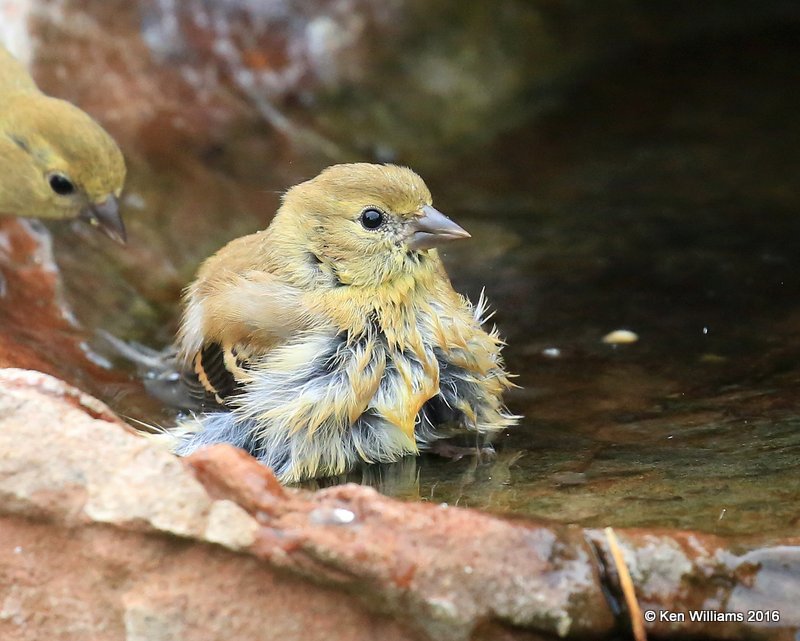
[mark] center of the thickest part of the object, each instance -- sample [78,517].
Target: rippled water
[660,197]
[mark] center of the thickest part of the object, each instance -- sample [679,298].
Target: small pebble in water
[343,516]
[335,516]
[620,337]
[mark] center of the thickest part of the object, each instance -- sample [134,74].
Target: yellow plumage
[335,336]
[55,161]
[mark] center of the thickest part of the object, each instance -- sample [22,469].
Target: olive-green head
[58,163]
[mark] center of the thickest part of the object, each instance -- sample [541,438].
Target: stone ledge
[105,533]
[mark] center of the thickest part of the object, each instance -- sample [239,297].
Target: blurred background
[620,164]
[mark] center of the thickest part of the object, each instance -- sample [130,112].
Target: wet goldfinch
[334,336]
[55,161]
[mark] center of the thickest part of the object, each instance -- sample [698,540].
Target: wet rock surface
[452,568]
[83,494]
[38,327]
[702,586]
[95,514]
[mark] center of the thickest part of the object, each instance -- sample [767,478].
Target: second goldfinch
[55,161]
[335,337]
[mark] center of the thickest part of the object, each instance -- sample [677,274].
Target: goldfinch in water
[55,161]
[334,336]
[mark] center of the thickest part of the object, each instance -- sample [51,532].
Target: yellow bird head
[59,164]
[367,223]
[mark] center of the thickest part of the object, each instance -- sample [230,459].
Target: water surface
[659,196]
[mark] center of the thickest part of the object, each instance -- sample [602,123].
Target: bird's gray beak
[434,228]
[106,217]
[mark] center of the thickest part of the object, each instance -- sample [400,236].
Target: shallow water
[672,213]
[659,196]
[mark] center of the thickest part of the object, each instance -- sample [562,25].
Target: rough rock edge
[448,573]
[12,377]
[65,457]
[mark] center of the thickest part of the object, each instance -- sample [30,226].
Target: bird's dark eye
[372,218]
[61,185]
